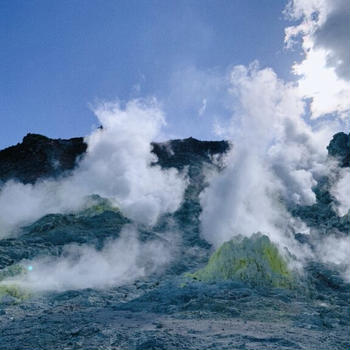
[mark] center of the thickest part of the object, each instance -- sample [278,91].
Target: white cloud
[203,107]
[325,70]
[329,93]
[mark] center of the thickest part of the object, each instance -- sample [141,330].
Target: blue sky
[58,57]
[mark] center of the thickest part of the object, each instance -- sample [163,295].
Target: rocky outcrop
[339,147]
[40,157]
[179,153]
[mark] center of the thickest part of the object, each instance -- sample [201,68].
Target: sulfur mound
[12,293]
[15,293]
[97,205]
[254,260]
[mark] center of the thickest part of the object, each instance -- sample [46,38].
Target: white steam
[119,158]
[336,250]
[275,158]
[341,192]
[120,261]
[117,165]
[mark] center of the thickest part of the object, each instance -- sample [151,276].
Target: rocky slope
[170,309]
